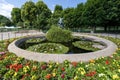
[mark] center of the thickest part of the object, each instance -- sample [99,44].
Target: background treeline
[4,21]
[92,14]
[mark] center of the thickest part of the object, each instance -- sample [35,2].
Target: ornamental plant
[49,48]
[57,34]
[13,67]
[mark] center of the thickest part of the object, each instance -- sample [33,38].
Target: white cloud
[5,8]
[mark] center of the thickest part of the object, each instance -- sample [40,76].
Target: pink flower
[2,53]
[62,75]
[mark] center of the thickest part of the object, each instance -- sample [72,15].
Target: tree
[20,24]
[101,13]
[43,14]
[78,15]
[4,21]
[56,15]
[28,13]
[16,15]
[58,9]
[93,14]
[69,19]
[112,13]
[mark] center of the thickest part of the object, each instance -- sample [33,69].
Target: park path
[7,35]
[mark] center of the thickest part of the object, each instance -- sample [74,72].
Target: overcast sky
[7,5]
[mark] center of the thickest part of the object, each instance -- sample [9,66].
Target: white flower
[86,65]
[101,74]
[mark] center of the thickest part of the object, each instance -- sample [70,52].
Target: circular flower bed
[18,68]
[49,48]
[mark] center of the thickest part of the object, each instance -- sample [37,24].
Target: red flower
[63,69]
[107,62]
[62,75]
[48,76]
[43,67]
[16,67]
[74,64]
[1,58]
[8,66]
[91,73]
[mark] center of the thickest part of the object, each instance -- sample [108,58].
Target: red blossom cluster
[48,76]
[16,67]
[43,67]
[92,73]
[74,64]
[63,69]
[107,62]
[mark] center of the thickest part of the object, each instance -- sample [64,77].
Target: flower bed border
[109,50]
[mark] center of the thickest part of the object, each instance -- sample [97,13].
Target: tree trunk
[94,28]
[105,28]
[116,28]
[109,28]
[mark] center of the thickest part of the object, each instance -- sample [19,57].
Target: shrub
[49,48]
[35,40]
[87,45]
[57,34]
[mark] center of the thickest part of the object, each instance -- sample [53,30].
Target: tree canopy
[16,15]
[92,13]
[4,21]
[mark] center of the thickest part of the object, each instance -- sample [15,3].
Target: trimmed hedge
[57,34]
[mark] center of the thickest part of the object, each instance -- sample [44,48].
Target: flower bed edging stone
[109,50]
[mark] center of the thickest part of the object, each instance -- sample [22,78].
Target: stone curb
[108,51]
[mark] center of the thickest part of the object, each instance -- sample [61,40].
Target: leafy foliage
[43,14]
[28,13]
[87,45]
[56,15]
[35,40]
[16,16]
[91,14]
[49,48]
[4,21]
[57,34]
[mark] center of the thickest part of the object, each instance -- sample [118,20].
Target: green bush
[49,48]
[87,45]
[35,40]
[57,34]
